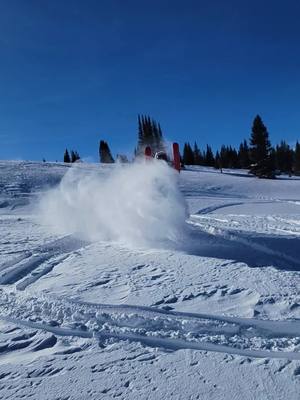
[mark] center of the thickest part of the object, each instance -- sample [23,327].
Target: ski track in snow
[29,267]
[153,327]
[210,209]
[252,241]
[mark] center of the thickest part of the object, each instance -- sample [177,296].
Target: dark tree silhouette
[209,157]
[262,165]
[198,156]
[218,163]
[284,157]
[188,155]
[297,159]
[74,156]
[67,158]
[105,153]
[243,155]
[149,134]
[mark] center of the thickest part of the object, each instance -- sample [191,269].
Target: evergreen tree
[149,139]
[198,156]
[243,155]
[140,134]
[156,135]
[105,153]
[188,155]
[273,157]
[260,149]
[160,135]
[149,134]
[209,157]
[218,163]
[284,156]
[233,160]
[77,155]
[67,158]
[297,159]
[224,159]
[74,156]
[290,160]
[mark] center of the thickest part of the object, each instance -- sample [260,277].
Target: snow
[119,205]
[109,289]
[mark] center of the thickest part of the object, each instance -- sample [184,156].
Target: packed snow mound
[138,204]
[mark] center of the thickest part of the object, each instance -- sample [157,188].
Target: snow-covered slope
[211,312]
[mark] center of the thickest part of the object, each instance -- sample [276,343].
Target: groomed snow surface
[132,282]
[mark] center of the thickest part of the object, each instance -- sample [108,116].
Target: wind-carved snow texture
[138,204]
[32,265]
[154,328]
[124,299]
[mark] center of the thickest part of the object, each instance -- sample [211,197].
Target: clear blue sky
[74,72]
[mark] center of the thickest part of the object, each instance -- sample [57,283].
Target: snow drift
[138,204]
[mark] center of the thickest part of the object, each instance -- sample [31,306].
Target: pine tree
[243,155]
[198,157]
[297,159]
[218,163]
[290,161]
[149,134]
[284,157]
[67,156]
[77,155]
[233,160]
[260,149]
[209,157]
[105,153]
[140,134]
[273,157]
[74,156]
[155,133]
[185,154]
[224,160]
[188,155]
[160,135]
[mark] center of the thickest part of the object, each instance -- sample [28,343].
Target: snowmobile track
[29,267]
[154,327]
[253,242]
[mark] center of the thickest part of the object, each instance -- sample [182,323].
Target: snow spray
[136,204]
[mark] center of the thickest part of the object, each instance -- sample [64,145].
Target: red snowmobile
[161,155]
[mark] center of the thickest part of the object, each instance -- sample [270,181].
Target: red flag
[176,156]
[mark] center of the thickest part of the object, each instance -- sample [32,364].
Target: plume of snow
[136,204]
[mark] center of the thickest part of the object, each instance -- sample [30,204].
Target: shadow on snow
[255,250]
